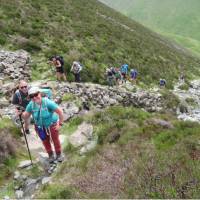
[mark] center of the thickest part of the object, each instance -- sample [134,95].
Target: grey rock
[88,147]
[24,164]
[163,123]
[12,62]
[6,197]
[19,194]
[46,180]
[81,136]
[16,175]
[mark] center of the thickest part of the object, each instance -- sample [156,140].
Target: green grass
[188,42]
[46,29]
[191,102]
[185,86]
[175,19]
[71,126]
[57,192]
[12,151]
[6,123]
[168,138]
[9,166]
[170,100]
[115,120]
[68,97]
[8,190]
[160,161]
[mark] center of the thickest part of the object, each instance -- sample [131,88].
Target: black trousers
[77,77]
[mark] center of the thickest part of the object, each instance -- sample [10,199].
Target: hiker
[21,100]
[133,75]
[113,71]
[59,65]
[124,72]
[118,76]
[48,118]
[110,77]
[162,82]
[182,77]
[76,69]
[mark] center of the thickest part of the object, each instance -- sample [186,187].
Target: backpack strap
[19,96]
[43,105]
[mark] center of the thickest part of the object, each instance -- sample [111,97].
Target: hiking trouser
[124,77]
[77,77]
[110,80]
[52,134]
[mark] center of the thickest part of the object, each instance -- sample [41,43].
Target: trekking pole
[20,118]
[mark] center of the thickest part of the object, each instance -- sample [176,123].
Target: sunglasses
[33,95]
[23,87]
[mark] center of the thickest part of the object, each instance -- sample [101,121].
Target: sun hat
[33,90]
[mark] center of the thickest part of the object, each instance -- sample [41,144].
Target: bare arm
[60,114]
[26,115]
[58,64]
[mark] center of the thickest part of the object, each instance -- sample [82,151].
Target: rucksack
[134,73]
[19,96]
[124,68]
[46,92]
[162,82]
[81,65]
[113,70]
[77,67]
[61,60]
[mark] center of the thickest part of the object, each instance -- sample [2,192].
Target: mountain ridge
[170,18]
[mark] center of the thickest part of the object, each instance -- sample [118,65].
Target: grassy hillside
[147,159]
[177,19]
[92,33]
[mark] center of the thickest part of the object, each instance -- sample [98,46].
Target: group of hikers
[120,75]
[47,117]
[114,75]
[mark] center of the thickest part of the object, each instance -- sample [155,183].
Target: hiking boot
[59,157]
[51,159]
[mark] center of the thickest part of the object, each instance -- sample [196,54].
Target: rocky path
[190,100]
[34,142]
[25,186]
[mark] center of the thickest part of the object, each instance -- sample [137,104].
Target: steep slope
[177,19]
[92,33]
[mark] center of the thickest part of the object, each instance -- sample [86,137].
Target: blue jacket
[124,68]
